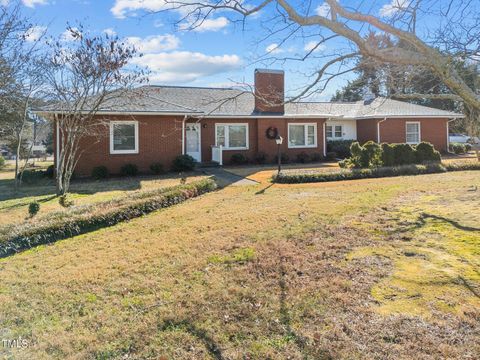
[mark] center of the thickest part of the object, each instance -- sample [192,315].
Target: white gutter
[378,129]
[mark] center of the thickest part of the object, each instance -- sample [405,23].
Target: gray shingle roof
[233,102]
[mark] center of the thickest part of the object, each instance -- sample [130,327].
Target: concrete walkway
[225,178]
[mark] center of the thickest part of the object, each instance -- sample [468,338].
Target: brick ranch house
[211,124]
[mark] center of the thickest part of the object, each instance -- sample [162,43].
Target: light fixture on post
[279,141]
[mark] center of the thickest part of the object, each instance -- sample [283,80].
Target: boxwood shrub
[353,174]
[100,172]
[80,220]
[157,168]
[238,159]
[341,147]
[183,163]
[129,170]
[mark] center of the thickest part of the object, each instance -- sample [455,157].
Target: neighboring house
[212,124]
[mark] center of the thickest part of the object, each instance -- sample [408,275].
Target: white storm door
[193,143]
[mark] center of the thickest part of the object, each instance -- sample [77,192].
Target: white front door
[193,143]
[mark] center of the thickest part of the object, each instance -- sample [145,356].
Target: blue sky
[220,53]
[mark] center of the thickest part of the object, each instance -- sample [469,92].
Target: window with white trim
[232,136]
[124,137]
[334,131]
[412,133]
[302,135]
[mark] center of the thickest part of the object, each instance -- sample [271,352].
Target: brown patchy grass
[14,206]
[288,271]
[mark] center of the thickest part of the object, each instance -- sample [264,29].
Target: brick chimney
[269,91]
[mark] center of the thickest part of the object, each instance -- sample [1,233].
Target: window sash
[123,137]
[302,135]
[334,131]
[412,133]
[232,136]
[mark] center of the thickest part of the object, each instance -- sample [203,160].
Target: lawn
[382,268]
[14,205]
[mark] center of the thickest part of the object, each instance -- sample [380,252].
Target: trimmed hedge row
[64,227]
[354,174]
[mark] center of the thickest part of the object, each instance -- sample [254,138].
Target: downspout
[183,133]
[325,137]
[378,129]
[448,134]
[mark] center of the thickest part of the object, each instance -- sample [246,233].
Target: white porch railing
[217,154]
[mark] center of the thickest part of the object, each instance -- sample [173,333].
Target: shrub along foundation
[299,177]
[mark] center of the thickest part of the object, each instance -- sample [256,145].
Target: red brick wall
[367,130]
[433,131]
[208,138]
[269,91]
[270,147]
[159,141]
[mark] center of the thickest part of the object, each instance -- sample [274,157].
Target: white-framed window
[302,135]
[412,131]
[232,136]
[334,131]
[123,137]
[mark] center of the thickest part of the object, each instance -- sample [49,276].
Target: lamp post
[279,141]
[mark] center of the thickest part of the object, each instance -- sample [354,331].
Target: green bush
[65,201]
[353,174]
[425,152]
[468,147]
[303,157]
[183,163]
[68,223]
[50,172]
[316,157]
[33,208]
[129,170]
[238,159]
[157,168]
[100,172]
[463,166]
[260,157]
[2,162]
[388,155]
[458,148]
[404,154]
[341,147]
[32,176]
[285,159]
[372,154]
[331,155]
[368,155]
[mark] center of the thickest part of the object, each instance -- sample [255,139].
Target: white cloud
[35,33]
[273,49]
[67,35]
[155,43]
[208,25]
[33,3]
[313,45]
[186,66]
[122,8]
[394,6]
[323,10]
[110,32]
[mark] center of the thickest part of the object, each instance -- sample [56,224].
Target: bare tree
[84,74]
[21,74]
[455,35]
